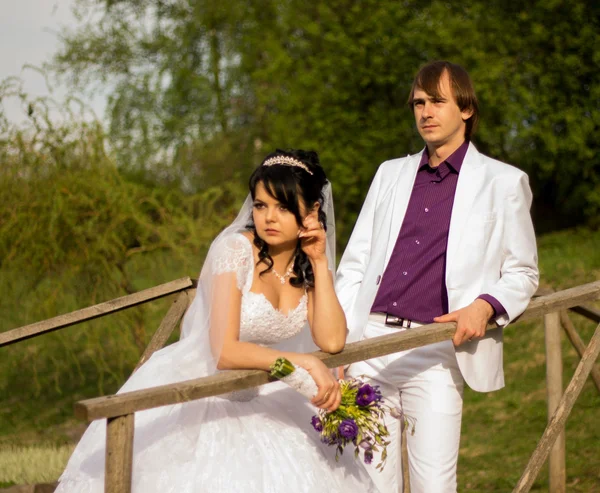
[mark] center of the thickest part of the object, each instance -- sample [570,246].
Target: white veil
[197,317]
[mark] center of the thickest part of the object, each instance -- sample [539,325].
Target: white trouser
[427,384]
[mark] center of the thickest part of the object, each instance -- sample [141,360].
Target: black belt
[393,321]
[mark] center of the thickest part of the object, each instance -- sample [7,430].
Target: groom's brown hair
[428,80]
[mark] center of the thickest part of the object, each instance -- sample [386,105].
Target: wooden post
[557,422]
[578,344]
[404,457]
[162,334]
[191,293]
[554,386]
[119,454]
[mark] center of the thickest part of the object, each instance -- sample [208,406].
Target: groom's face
[439,120]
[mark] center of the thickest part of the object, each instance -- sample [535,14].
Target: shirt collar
[454,160]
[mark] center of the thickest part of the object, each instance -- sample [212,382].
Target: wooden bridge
[119,410]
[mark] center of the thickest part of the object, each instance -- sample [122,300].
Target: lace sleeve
[233,254]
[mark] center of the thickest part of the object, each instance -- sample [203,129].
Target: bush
[75,230]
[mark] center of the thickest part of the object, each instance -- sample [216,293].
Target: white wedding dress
[254,441]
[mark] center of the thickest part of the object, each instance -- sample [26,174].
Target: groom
[443,235]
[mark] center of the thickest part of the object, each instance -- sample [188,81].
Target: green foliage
[170,65]
[73,215]
[74,231]
[242,77]
[552,92]
[21,465]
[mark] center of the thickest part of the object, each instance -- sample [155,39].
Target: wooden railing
[119,410]
[91,312]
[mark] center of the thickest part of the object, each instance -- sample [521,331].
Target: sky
[29,35]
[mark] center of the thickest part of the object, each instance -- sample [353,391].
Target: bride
[264,278]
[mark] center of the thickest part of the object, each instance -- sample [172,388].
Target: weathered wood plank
[543,291]
[162,334]
[119,454]
[92,312]
[559,418]
[578,344]
[129,402]
[554,387]
[588,312]
[191,292]
[116,405]
[561,300]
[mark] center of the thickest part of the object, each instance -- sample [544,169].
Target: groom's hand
[471,321]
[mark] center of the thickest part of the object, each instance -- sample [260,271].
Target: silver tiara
[287,161]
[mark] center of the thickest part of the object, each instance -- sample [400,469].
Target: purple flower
[348,428]
[331,440]
[366,394]
[377,391]
[365,444]
[368,456]
[317,423]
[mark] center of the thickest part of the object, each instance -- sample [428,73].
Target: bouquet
[357,421]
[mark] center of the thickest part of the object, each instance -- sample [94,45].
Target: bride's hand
[312,237]
[329,395]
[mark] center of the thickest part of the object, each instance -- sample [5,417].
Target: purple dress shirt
[414,281]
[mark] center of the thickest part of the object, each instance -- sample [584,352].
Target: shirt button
[405,273]
[426,209]
[395,304]
[417,242]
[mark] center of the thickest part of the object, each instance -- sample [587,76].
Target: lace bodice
[260,322]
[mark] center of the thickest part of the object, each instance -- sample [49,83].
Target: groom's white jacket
[491,249]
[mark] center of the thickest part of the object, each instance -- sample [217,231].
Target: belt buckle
[397,321]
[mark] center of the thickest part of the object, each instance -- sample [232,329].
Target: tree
[203,84]
[76,230]
[169,64]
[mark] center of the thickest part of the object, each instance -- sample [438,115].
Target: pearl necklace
[287,274]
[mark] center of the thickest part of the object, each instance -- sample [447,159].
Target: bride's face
[274,223]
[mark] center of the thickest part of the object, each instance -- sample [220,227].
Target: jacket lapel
[389,216]
[470,180]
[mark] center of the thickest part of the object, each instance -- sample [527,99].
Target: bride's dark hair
[287,185]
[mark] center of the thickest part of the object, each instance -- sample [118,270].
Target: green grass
[21,465]
[41,378]
[500,429]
